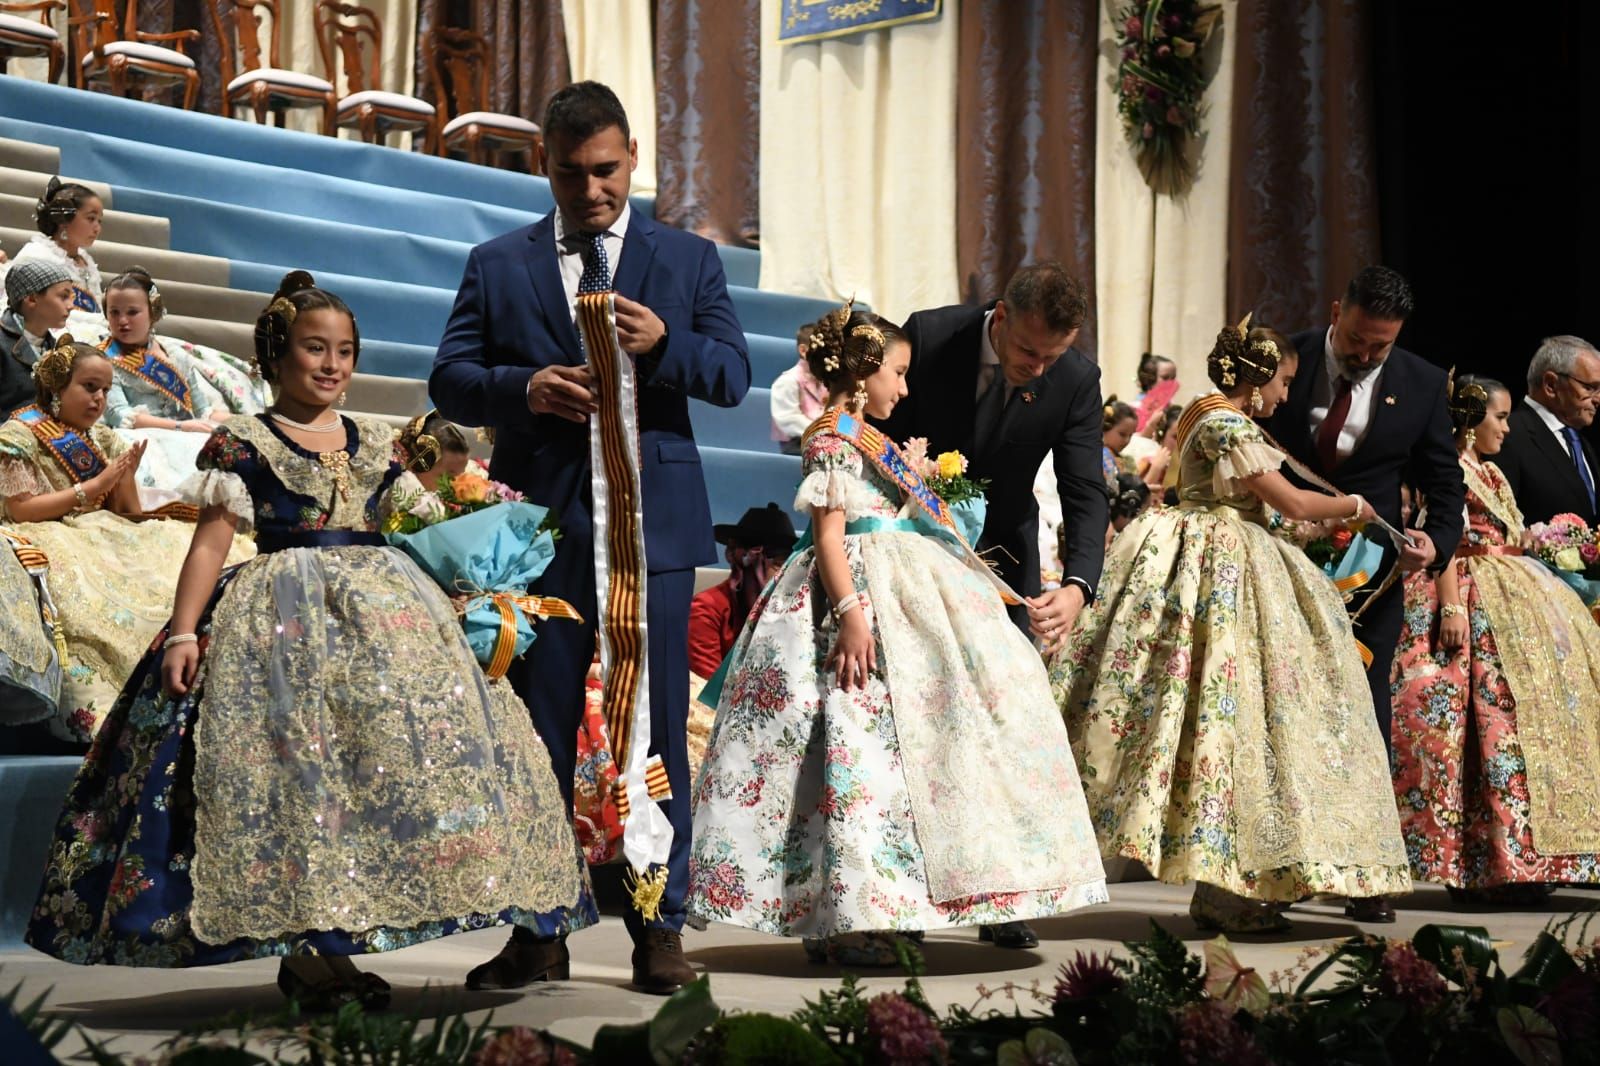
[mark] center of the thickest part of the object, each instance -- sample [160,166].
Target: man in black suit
[1550,467]
[1003,385]
[1369,416]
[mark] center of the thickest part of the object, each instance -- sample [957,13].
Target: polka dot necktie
[596,268]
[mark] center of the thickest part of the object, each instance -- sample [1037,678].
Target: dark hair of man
[581,110]
[1046,289]
[1381,293]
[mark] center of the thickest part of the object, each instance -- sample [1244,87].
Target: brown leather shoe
[659,968]
[1370,909]
[522,963]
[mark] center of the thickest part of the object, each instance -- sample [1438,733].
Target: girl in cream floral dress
[310,763]
[1215,696]
[885,756]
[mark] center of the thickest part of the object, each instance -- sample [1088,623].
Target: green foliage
[46,1030]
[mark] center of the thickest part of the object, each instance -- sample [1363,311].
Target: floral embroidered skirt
[941,794]
[1461,769]
[1221,716]
[340,779]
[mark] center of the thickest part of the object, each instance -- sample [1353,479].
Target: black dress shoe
[659,968]
[1370,909]
[1009,935]
[522,963]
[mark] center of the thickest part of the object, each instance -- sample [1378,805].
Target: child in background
[38,302]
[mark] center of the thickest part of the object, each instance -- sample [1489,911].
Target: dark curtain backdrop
[1487,177]
[527,50]
[1025,130]
[708,112]
[1303,197]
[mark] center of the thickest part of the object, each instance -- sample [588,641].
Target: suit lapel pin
[1389,400]
[1027,396]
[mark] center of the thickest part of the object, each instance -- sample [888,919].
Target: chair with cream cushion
[27,38]
[124,60]
[264,87]
[459,62]
[356,35]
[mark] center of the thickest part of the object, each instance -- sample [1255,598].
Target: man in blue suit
[511,359]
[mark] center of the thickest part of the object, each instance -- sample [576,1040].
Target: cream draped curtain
[611,41]
[858,177]
[1161,265]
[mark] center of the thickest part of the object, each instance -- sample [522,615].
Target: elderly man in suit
[511,359]
[1003,385]
[1550,467]
[1370,416]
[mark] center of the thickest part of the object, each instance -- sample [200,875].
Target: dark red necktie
[1332,426]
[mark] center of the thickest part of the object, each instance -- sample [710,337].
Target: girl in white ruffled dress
[885,756]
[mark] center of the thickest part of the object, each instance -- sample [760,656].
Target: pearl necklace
[325,427]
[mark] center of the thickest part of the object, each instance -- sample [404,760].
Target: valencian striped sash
[76,452]
[160,374]
[620,578]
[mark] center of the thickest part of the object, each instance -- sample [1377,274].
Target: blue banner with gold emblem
[816,20]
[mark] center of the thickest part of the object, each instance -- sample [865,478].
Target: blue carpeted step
[747,426]
[32,788]
[739,480]
[769,357]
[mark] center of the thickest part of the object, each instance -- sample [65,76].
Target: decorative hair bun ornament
[1469,405]
[272,328]
[422,451]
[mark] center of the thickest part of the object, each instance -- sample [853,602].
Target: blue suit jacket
[511,318]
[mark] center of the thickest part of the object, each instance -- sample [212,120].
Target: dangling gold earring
[55,407]
[1472,439]
[1256,402]
[341,399]
[858,402]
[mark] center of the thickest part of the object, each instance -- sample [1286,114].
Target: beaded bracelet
[1452,610]
[178,638]
[82,498]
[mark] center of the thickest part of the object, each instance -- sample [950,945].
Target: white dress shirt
[989,362]
[1556,426]
[1363,394]
[570,254]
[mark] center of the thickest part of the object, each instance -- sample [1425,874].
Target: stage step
[17,212]
[32,788]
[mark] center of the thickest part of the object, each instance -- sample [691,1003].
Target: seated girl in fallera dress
[885,757]
[69,489]
[1214,692]
[1496,699]
[311,763]
[69,219]
[156,395]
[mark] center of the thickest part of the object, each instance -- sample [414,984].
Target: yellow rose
[1569,559]
[470,488]
[950,465]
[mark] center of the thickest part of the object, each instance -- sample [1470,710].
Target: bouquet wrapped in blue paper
[489,555]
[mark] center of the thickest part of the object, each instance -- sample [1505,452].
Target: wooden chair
[459,62]
[25,38]
[112,59]
[270,87]
[374,112]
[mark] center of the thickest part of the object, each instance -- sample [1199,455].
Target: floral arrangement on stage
[1441,997]
[1160,84]
[946,475]
[1571,550]
[484,544]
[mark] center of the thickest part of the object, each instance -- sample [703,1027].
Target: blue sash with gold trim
[152,369]
[76,453]
[84,300]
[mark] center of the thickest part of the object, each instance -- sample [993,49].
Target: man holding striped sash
[580,340]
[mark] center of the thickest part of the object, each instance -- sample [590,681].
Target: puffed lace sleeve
[18,472]
[1236,445]
[218,480]
[832,477]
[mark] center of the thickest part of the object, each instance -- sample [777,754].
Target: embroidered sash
[76,452]
[84,300]
[620,578]
[150,368]
[887,459]
[1495,499]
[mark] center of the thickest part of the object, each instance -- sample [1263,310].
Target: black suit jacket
[1542,475]
[16,365]
[1062,419]
[1408,441]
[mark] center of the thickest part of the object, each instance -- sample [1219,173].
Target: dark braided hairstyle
[1129,497]
[1469,401]
[137,277]
[297,293]
[1115,411]
[847,346]
[1245,356]
[60,204]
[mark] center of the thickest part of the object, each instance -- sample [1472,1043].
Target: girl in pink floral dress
[1496,703]
[886,756]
